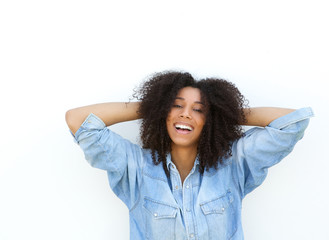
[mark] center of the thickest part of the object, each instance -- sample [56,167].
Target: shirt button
[223,209]
[191,235]
[187,186]
[155,214]
[176,187]
[188,210]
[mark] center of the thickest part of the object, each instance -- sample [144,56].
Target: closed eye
[177,106]
[198,110]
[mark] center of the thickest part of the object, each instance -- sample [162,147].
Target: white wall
[56,55]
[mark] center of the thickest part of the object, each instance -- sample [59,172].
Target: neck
[183,158]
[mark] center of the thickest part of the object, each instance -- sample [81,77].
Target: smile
[183,128]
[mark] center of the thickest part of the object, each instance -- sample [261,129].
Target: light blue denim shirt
[207,206]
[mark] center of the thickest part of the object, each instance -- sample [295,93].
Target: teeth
[183,127]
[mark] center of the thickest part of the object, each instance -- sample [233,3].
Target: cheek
[201,120]
[168,122]
[170,117]
[167,127]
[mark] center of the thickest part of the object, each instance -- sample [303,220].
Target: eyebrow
[180,98]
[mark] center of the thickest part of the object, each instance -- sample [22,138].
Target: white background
[57,55]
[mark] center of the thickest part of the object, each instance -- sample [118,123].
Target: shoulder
[151,170]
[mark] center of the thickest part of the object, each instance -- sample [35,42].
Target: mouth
[183,128]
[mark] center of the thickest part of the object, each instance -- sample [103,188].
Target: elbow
[69,118]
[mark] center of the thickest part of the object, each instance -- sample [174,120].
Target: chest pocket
[160,219]
[220,217]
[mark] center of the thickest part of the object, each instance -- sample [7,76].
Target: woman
[196,165]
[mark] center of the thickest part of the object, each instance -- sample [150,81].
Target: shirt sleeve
[261,148]
[107,150]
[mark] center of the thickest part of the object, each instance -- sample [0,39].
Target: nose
[185,113]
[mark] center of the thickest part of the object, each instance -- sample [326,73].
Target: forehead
[189,93]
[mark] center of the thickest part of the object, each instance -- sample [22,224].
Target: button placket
[187,188]
[174,178]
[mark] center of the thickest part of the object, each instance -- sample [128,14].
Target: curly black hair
[224,116]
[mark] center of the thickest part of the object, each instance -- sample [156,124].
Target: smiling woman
[208,163]
[185,122]
[218,102]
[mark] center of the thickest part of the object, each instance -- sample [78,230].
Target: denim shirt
[206,206]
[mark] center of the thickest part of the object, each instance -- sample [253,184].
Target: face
[186,118]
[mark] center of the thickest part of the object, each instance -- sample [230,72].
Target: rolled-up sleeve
[261,148]
[107,150]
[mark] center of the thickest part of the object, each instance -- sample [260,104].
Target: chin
[185,144]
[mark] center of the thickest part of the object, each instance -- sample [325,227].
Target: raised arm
[262,116]
[110,113]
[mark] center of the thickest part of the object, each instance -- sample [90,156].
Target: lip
[182,131]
